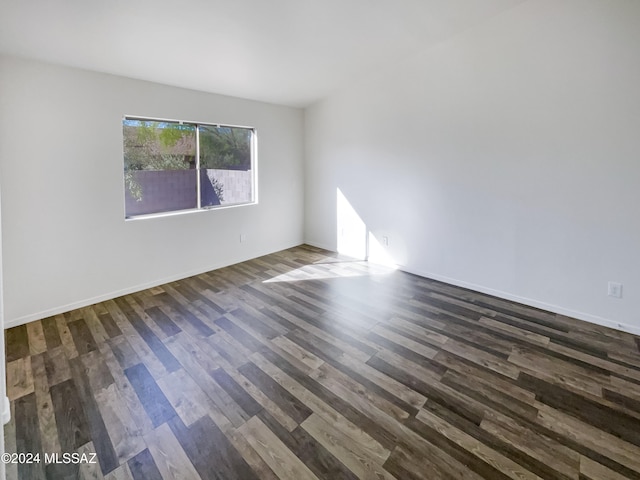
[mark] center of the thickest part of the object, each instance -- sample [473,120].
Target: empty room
[320,239]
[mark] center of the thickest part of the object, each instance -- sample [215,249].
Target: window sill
[186,212]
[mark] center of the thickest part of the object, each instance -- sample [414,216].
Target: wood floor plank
[408,464]
[126,391]
[65,337]
[37,342]
[354,455]
[482,358]
[321,408]
[184,394]
[592,412]
[96,370]
[94,325]
[394,387]
[153,400]
[143,467]
[63,471]
[28,436]
[46,414]
[124,434]
[429,336]
[123,351]
[432,389]
[154,343]
[19,378]
[450,456]
[56,366]
[297,410]
[311,452]
[163,321]
[489,395]
[609,445]
[223,410]
[590,470]
[279,458]
[313,344]
[210,451]
[136,303]
[181,305]
[516,331]
[379,394]
[297,352]
[516,452]
[90,469]
[400,364]
[236,392]
[501,463]
[559,372]
[50,330]
[17,343]
[123,472]
[225,346]
[405,341]
[82,337]
[141,348]
[563,460]
[355,392]
[257,321]
[169,457]
[264,401]
[247,340]
[478,373]
[73,427]
[255,461]
[109,325]
[82,407]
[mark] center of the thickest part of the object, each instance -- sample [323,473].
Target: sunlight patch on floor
[332,270]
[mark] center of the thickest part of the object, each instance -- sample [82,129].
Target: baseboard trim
[320,245]
[587,317]
[15,322]
[441,278]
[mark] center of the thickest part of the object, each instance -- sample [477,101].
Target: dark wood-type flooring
[302,365]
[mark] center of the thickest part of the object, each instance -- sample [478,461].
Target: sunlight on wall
[355,239]
[378,254]
[351,230]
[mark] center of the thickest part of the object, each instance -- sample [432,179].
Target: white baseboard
[452,281]
[320,245]
[14,322]
[587,317]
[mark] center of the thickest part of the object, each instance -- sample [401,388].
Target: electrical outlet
[385,241]
[243,237]
[614,289]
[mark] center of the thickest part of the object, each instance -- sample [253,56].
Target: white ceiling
[291,52]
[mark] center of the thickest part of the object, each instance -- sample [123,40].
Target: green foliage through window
[225,147]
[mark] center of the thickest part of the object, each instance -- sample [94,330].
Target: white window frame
[199,207]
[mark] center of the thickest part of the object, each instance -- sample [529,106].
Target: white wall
[65,240]
[5,409]
[506,160]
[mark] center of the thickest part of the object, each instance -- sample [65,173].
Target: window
[171,166]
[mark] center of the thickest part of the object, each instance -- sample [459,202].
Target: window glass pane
[226,174]
[159,166]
